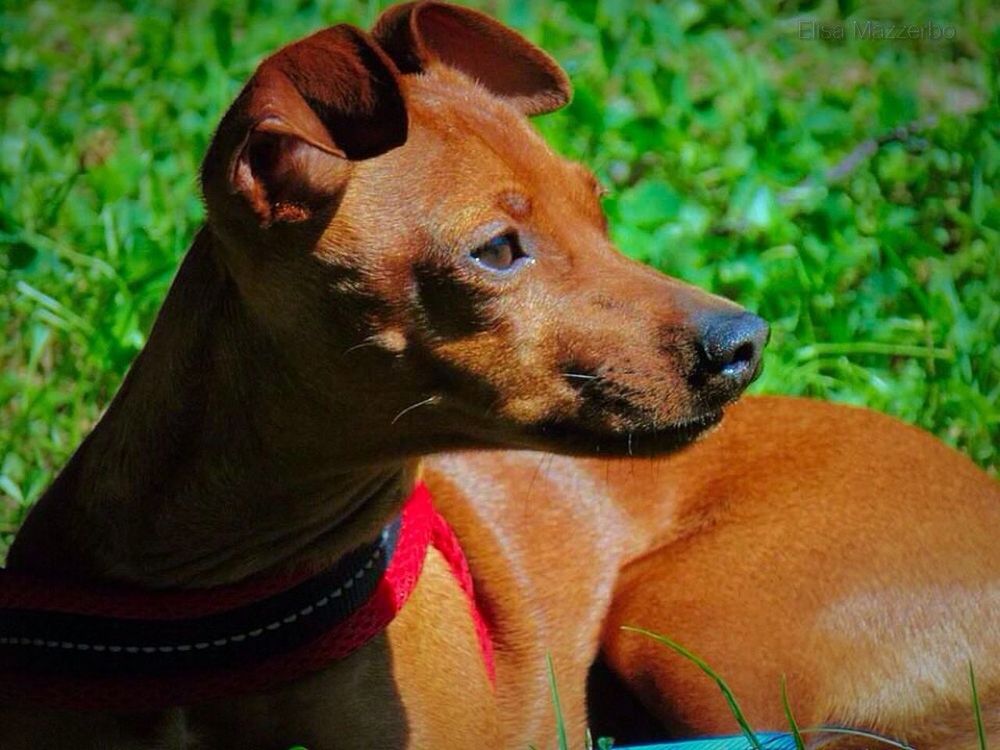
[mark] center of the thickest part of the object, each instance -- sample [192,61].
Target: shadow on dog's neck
[210,465]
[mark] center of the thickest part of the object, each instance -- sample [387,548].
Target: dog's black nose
[732,345]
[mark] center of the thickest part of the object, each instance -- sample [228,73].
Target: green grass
[753,741]
[721,135]
[977,710]
[793,726]
[727,693]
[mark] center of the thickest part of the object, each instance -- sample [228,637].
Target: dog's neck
[206,468]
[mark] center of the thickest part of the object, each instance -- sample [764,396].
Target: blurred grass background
[739,156]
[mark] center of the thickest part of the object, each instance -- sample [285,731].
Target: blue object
[768,740]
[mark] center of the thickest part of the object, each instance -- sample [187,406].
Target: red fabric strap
[421,526]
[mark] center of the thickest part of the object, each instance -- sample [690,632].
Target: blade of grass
[976,708]
[60,311]
[704,667]
[792,724]
[858,733]
[560,725]
[812,351]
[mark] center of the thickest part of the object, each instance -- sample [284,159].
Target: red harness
[183,665]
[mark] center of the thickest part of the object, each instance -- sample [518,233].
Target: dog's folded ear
[285,146]
[418,33]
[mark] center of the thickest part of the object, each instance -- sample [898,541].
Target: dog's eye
[501,253]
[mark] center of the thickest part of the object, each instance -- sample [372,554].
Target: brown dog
[394,265]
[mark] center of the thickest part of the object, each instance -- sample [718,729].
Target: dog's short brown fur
[329,327]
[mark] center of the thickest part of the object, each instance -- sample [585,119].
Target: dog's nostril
[742,356]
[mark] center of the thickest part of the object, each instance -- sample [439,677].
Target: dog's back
[839,550]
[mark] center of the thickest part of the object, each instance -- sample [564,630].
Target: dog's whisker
[580,376]
[366,343]
[411,407]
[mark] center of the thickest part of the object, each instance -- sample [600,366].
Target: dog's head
[434,270]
